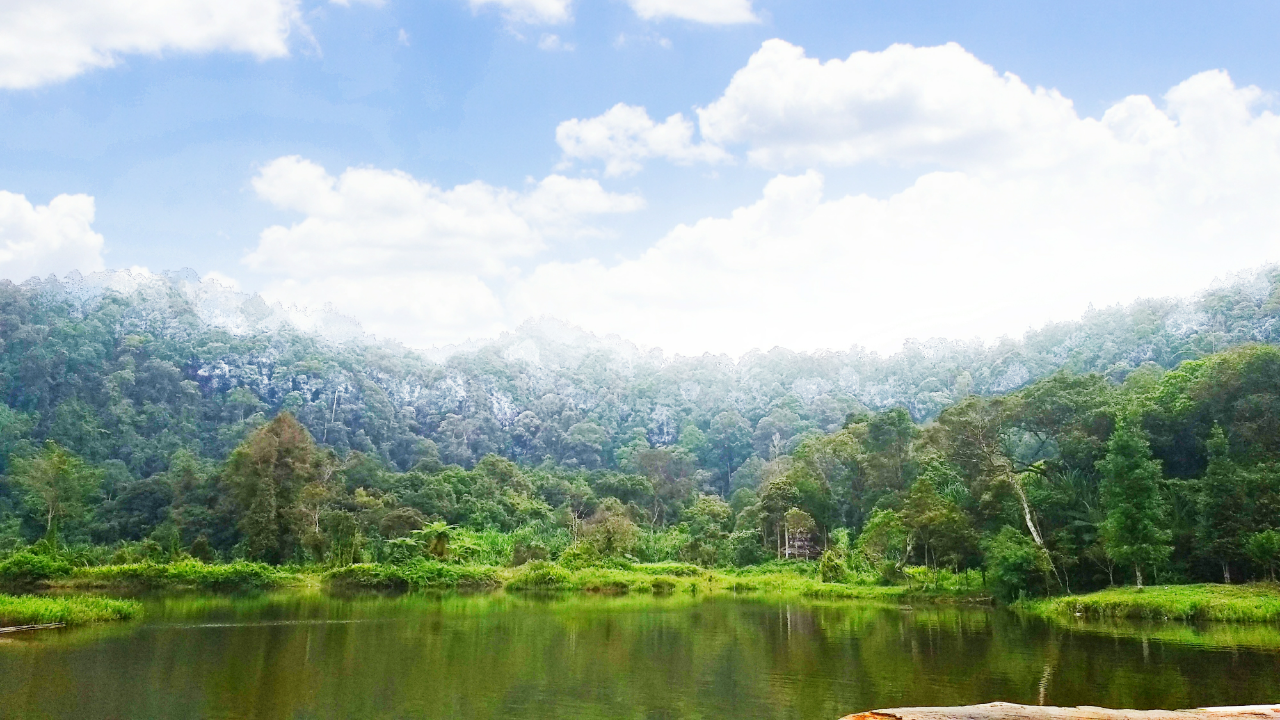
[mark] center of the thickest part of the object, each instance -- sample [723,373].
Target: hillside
[134,367]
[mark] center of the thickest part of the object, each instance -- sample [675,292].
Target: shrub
[579,555]
[832,568]
[674,569]
[39,610]
[540,575]
[1017,566]
[663,585]
[746,548]
[29,569]
[528,550]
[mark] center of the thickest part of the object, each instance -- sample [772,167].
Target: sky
[694,175]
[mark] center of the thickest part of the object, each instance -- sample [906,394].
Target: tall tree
[266,473]
[1224,507]
[1134,531]
[56,484]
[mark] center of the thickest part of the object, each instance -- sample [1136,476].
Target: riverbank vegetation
[1078,481]
[19,610]
[1252,603]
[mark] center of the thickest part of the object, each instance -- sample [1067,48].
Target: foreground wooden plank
[23,628]
[1010,711]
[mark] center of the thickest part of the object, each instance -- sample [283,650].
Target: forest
[1136,445]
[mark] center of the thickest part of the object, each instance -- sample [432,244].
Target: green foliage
[1134,531]
[74,610]
[419,574]
[832,568]
[1226,603]
[1016,566]
[29,568]
[235,576]
[541,576]
[1264,549]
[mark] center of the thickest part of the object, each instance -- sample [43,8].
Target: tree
[1224,507]
[730,440]
[610,531]
[776,497]
[1264,549]
[1134,530]
[707,523]
[265,474]
[56,484]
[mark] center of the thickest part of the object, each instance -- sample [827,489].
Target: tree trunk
[1010,711]
[1137,569]
[1226,572]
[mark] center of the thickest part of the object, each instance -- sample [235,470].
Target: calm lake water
[313,656]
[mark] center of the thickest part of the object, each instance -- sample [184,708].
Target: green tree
[1134,531]
[1224,506]
[266,473]
[56,484]
[1264,549]
[707,523]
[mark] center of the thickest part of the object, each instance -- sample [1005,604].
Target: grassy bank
[26,571]
[1258,602]
[74,610]
[776,579]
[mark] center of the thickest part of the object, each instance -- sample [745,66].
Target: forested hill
[134,367]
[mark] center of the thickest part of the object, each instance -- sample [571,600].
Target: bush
[541,576]
[674,569]
[28,569]
[746,548]
[1018,567]
[579,555]
[528,550]
[236,576]
[663,586]
[418,574]
[39,610]
[832,568]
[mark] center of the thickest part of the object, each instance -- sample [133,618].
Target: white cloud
[1040,213]
[535,12]
[552,43]
[712,12]
[1022,212]
[409,259]
[43,239]
[46,41]
[903,105]
[624,136]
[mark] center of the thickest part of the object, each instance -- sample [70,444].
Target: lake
[498,656]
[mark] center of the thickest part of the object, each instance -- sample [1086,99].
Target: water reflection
[313,656]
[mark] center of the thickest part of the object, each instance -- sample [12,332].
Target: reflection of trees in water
[497,656]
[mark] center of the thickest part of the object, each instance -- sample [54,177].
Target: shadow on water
[302,655]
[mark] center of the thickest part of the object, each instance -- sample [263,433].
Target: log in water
[1010,711]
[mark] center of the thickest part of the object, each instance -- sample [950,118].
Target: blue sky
[173,142]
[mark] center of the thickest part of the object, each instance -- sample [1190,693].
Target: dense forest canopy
[1138,439]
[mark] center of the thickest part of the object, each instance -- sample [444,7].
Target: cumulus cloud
[1021,212]
[410,259]
[624,136]
[711,12]
[54,238]
[1036,213]
[534,12]
[46,41]
[903,105]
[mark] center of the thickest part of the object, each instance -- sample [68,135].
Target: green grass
[1253,603]
[185,574]
[75,610]
[416,575]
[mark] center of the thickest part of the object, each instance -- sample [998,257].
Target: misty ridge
[135,366]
